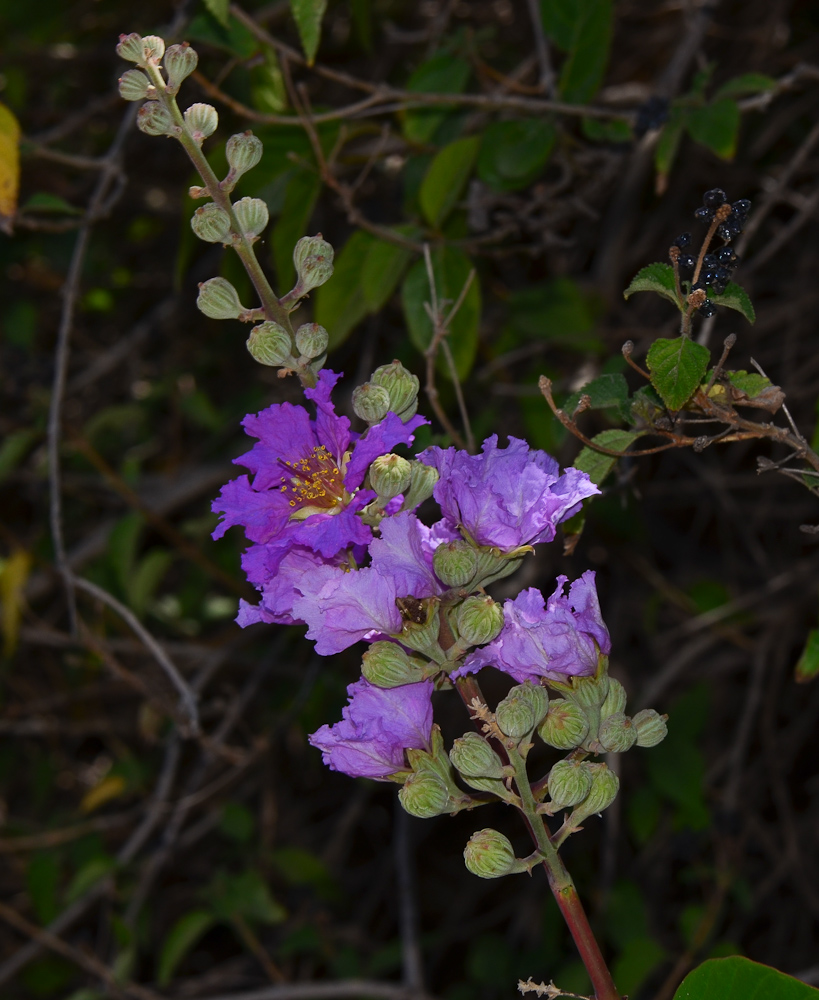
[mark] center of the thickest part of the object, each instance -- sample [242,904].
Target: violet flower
[377,726]
[562,636]
[506,497]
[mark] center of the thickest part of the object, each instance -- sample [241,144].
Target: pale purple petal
[404,553]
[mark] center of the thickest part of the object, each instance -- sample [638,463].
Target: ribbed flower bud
[218,299]
[617,733]
[565,726]
[180,62]
[211,223]
[313,259]
[424,795]
[129,47]
[202,121]
[269,343]
[569,783]
[424,478]
[312,340]
[480,619]
[244,151]
[472,756]
[455,563]
[389,476]
[371,402]
[651,727]
[387,665]
[134,85]
[153,48]
[604,787]
[489,854]
[252,216]
[590,692]
[155,119]
[402,387]
[615,700]
[515,716]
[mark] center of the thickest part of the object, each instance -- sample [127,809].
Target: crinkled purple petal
[403,552]
[329,534]
[379,440]
[262,515]
[332,431]
[285,434]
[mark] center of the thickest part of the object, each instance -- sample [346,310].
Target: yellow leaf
[13,575]
[9,167]
[111,787]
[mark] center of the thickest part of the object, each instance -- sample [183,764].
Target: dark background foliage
[209,866]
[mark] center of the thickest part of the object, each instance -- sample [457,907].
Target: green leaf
[14,448]
[237,822]
[716,126]
[677,367]
[230,35]
[340,304]
[181,938]
[735,297]
[42,881]
[585,64]
[669,140]
[307,15]
[751,383]
[446,177]
[384,265]
[267,89]
[451,268]
[147,576]
[300,198]
[246,896]
[606,131]
[635,963]
[657,278]
[605,392]
[807,669]
[88,876]
[513,154]
[442,74]
[747,83]
[219,9]
[597,465]
[557,311]
[738,978]
[43,201]
[121,550]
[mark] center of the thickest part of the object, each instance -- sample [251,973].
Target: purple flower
[377,726]
[562,637]
[506,497]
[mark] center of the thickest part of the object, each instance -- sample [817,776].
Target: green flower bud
[615,700]
[536,695]
[490,855]
[517,715]
[135,86]
[155,119]
[423,481]
[244,151]
[473,757]
[202,121]
[387,665]
[389,476]
[590,692]
[569,783]
[617,733]
[455,563]
[424,795]
[180,62]
[565,726]
[211,223]
[371,402]
[252,216]
[218,299]
[129,47]
[604,787]
[153,48]
[311,340]
[402,387]
[270,344]
[479,620]
[651,727]
[313,258]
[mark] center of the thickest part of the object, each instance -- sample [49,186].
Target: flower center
[315,481]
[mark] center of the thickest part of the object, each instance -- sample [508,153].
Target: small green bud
[155,119]
[252,216]
[604,787]
[130,47]
[569,783]
[244,151]
[387,665]
[423,481]
[211,223]
[153,48]
[180,62]
[135,86]
[473,757]
[389,476]
[489,854]
[424,795]
[590,692]
[515,715]
[371,402]
[311,340]
[479,620]
[617,733]
[615,700]
[202,121]
[455,563]
[269,343]
[313,258]
[565,726]
[402,387]
[651,727]
[218,299]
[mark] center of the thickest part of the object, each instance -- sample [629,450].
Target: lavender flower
[506,497]
[560,637]
[377,726]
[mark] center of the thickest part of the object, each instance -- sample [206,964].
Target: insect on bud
[202,121]
[371,402]
[135,86]
[180,62]
[243,151]
[218,299]
[269,344]
[565,726]
[489,854]
[387,665]
[651,727]
[154,119]
[311,340]
[402,387]
[211,223]
[617,733]
[569,783]
[424,795]
[455,563]
[252,216]
[389,476]
[480,619]
[472,756]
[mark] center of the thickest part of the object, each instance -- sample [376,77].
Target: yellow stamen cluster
[315,481]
